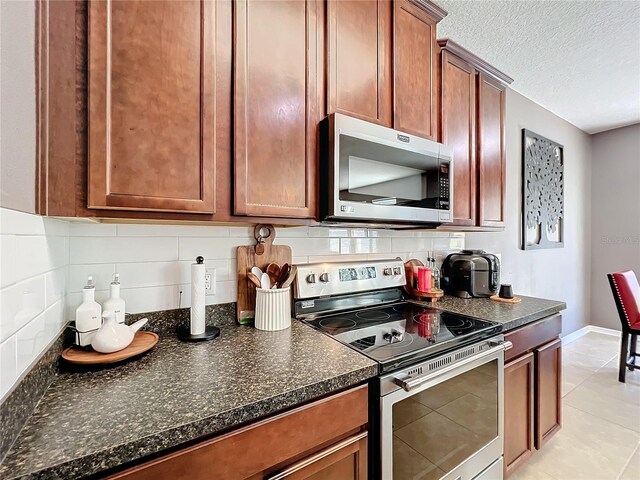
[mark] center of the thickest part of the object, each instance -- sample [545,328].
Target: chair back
[626,292]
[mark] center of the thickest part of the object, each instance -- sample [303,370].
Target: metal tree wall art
[542,192]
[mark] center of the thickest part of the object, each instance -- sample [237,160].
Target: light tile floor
[600,435]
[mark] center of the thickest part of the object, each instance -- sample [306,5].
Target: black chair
[626,292]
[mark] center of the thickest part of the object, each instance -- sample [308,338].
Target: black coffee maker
[471,273]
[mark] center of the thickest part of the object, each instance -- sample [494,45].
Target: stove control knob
[394,336]
[324,277]
[311,278]
[397,271]
[387,272]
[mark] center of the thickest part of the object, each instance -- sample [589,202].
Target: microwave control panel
[443,203]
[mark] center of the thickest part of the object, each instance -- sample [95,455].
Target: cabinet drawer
[258,447]
[533,335]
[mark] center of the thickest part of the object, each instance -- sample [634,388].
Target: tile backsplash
[154,260]
[45,263]
[34,257]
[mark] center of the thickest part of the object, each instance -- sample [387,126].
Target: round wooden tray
[496,298]
[142,342]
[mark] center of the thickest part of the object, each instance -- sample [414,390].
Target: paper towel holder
[210,332]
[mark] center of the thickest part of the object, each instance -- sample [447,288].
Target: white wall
[562,273]
[18,105]
[34,253]
[154,260]
[615,230]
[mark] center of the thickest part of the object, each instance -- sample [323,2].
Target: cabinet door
[359,59]
[548,391]
[415,63]
[151,105]
[346,460]
[491,160]
[459,133]
[275,107]
[518,411]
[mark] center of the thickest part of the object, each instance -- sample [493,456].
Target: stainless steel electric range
[437,404]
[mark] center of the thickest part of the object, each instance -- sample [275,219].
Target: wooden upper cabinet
[491,160]
[458,131]
[415,67]
[472,116]
[151,105]
[276,111]
[359,59]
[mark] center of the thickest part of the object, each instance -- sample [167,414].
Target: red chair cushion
[628,291]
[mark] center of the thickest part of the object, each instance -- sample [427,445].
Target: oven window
[384,175]
[437,429]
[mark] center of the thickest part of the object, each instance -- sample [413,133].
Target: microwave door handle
[414,382]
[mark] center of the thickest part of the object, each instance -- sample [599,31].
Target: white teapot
[113,336]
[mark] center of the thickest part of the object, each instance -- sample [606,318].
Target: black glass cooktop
[398,334]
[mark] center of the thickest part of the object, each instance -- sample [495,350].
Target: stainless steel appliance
[471,273]
[437,405]
[373,174]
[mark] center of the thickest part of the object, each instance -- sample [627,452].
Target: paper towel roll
[198,293]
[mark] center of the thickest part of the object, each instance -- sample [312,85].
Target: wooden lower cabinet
[518,411]
[326,439]
[549,388]
[532,386]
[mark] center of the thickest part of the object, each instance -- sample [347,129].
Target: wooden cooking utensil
[273,270]
[255,280]
[284,273]
[289,280]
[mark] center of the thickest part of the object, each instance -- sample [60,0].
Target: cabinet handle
[316,457]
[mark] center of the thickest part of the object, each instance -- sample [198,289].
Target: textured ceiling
[579,59]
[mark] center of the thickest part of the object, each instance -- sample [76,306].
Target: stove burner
[373,315]
[459,323]
[338,323]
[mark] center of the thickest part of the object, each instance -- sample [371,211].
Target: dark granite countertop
[511,315]
[90,422]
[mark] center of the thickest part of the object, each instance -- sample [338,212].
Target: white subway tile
[123,249]
[31,339]
[385,256]
[244,232]
[21,303]
[314,246]
[54,320]
[20,223]
[299,260]
[364,245]
[102,274]
[151,299]
[154,274]
[8,365]
[142,230]
[291,232]
[209,248]
[337,232]
[92,230]
[336,258]
[55,285]
[8,274]
[411,244]
[40,254]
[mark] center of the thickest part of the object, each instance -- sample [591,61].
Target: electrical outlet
[210,281]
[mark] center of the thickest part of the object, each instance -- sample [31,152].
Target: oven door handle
[410,383]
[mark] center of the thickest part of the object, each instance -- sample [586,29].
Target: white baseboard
[573,336]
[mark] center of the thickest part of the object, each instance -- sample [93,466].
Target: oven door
[447,424]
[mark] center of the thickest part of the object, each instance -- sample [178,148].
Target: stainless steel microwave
[377,175]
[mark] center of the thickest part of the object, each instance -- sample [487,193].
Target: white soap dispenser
[115,303]
[88,315]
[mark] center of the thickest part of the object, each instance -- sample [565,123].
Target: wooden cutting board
[259,255]
[142,342]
